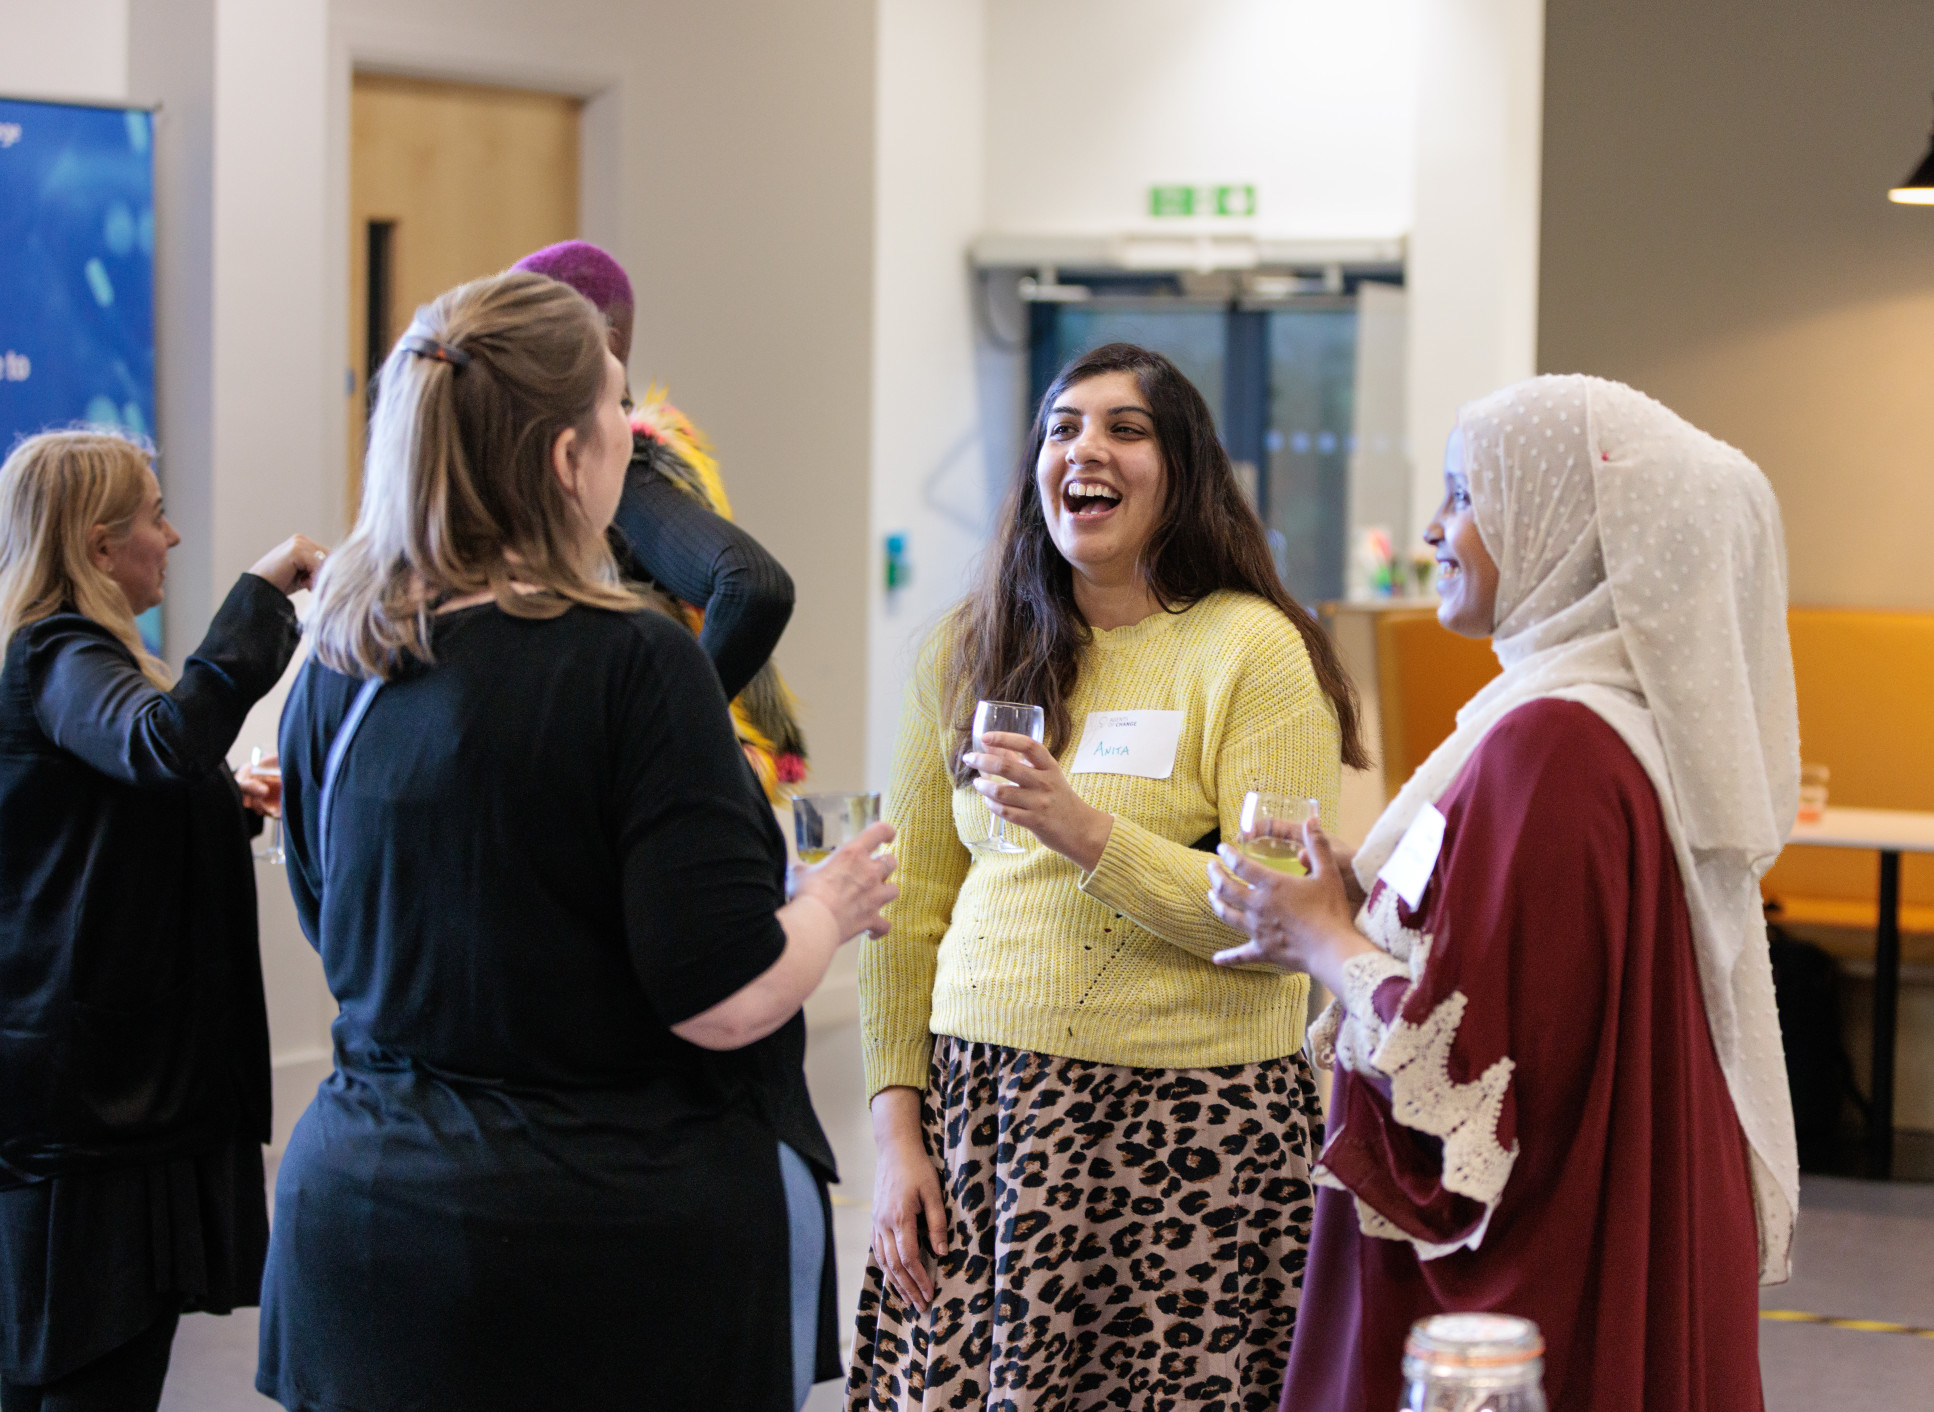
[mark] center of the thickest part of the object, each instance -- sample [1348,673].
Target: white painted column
[929,481]
[1473,266]
[277,425]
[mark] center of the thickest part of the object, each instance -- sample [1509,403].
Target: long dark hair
[1020,634]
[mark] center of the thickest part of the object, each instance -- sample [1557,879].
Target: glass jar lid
[1474,1341]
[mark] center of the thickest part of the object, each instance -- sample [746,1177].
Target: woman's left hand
[1297,923]
[1030,790]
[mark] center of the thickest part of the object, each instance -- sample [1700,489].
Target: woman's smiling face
[1467,576]
[1100,476]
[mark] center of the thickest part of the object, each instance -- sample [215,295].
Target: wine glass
[823,822]
[1017,719]
[1272,829]
[269,846]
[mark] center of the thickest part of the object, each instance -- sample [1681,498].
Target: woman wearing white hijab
[1559,1086]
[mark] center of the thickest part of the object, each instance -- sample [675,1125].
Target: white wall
[74,50]
[1473,266]
[928,447]
[1089,102]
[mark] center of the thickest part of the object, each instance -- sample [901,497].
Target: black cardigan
[132,1020]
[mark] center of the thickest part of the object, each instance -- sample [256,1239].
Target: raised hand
[293,564]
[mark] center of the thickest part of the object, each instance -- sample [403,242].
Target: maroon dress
[1554,1064]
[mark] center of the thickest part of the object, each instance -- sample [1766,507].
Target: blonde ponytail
[458,492]
[54,489]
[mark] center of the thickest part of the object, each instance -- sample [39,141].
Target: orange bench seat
[1865,680]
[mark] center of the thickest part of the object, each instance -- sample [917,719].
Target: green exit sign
[1171,201]
[1236,199]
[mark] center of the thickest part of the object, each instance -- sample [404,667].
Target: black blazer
[132,1020]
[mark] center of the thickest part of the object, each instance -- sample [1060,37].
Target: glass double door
[1282,381]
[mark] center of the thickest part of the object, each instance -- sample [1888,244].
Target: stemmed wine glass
[269,849]
[1016,719]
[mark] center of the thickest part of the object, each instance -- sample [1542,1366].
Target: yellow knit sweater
[1024,950]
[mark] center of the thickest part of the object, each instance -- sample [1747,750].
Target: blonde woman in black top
[551,1166]
[134,1066]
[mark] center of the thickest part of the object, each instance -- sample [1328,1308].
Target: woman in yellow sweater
[1094,1145]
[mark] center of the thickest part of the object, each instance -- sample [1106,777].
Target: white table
[1890,833]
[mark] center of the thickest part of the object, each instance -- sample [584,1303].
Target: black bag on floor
[1806,988]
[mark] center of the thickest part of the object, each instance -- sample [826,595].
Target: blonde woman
[134,1066]
[1094,1145]
[566,1158]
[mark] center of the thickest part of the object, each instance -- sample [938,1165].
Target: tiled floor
[1866,1251]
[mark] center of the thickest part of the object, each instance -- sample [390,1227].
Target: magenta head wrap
[587,269]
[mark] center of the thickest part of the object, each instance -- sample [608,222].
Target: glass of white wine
[1272,829]
[1016,719]
[823,822]
[268,846]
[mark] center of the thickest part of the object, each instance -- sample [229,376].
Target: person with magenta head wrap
[1559,1084]
[674,530]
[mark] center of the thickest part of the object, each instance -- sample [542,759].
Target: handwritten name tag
[1129,743]
[1408,869]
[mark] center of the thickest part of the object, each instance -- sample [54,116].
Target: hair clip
[424,346]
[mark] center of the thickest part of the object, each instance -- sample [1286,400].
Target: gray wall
[1716,232]
[753,262]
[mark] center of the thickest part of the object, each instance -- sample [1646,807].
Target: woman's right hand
[293,564]
[1345,859]
[261,784]
[853,884]
[906,1197]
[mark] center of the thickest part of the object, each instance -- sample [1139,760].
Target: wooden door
[447,182]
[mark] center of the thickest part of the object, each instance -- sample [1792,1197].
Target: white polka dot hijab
[1642,573]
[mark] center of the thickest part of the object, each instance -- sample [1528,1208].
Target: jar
[1474,1363]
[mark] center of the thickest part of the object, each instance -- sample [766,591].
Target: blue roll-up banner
[76,272]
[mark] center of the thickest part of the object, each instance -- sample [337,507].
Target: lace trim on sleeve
[1348,1033]
[1424,1097]
[1415,1057]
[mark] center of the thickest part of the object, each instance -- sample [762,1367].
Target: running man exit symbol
[1235,200]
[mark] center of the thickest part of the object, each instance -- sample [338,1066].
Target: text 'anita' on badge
[1128,743]
[1407,871]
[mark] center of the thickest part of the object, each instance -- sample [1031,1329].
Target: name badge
[1129,743]
[1407,872]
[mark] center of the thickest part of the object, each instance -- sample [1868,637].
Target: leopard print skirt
[1119,1239]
